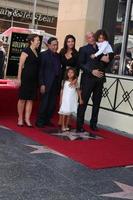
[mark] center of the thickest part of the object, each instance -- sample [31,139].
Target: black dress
[2,59]
[71,62]
[29,76]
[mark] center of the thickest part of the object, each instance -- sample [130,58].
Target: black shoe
[39,125]
[94,127]
[49,124]
[92,135]
[80,130]
[28,124]
[20,125]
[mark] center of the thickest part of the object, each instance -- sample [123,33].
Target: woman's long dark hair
[65,47]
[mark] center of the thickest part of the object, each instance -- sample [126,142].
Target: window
[119,24]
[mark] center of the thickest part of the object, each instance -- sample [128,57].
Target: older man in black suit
[49,76]
[92,80]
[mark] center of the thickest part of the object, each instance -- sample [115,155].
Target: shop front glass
[19,14]
[129,48]
[16,14]
[121,31]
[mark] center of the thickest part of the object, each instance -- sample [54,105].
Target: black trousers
[2,58]
[1,71]
[90,86]
[47,104]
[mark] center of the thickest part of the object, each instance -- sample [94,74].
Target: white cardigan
[104,48]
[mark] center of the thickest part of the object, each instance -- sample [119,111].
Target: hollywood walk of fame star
[129,166]
[44,149]
[72,135]
[4,127]
[127,192]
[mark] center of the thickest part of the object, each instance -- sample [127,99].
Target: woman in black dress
[28,79]
[69,58]
[2,59]
[69,55]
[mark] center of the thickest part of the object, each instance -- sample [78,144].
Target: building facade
[19,14]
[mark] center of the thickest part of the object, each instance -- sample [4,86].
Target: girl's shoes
[65,129]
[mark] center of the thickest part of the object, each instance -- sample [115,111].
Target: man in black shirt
[92,80]
[49,76]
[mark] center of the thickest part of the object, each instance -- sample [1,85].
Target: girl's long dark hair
[66,73]
[101,32]
[65,47]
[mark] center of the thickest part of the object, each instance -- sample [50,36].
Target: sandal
[28,124]
[20,124]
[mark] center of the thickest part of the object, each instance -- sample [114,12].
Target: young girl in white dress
[69,98]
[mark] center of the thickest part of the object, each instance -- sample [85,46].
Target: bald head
[90,38]
[89,33]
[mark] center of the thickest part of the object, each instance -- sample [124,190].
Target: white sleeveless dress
[69,103]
